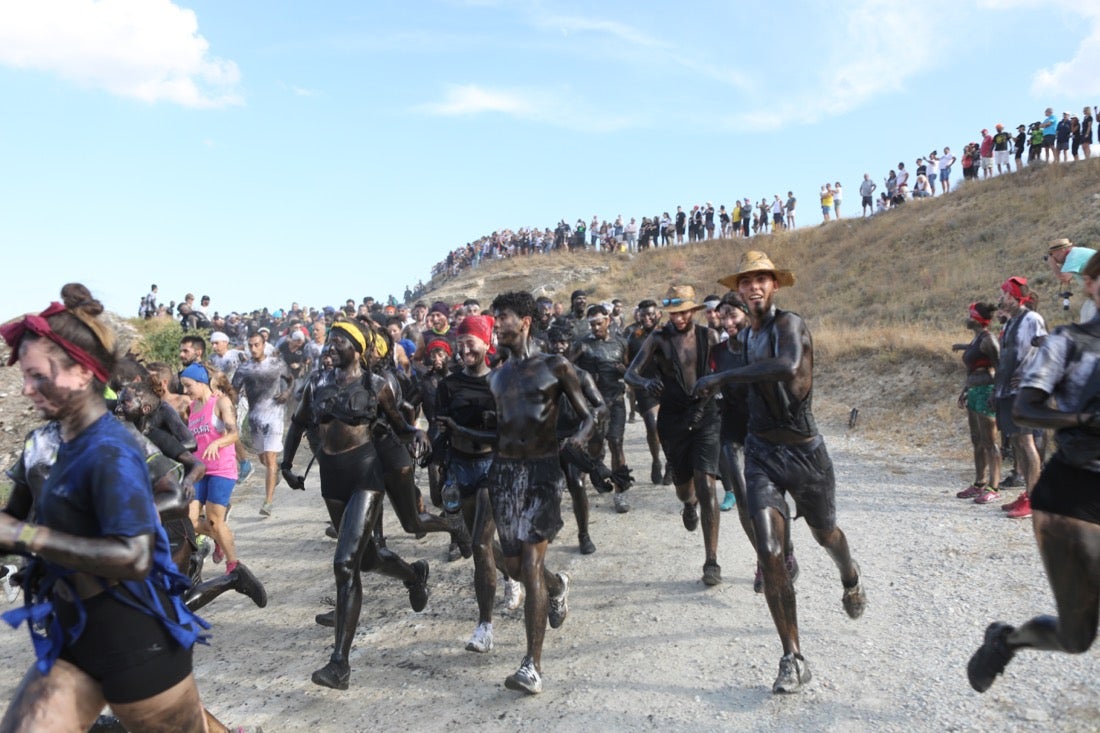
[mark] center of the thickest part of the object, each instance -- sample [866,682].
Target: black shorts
[868,201]
[1005,423]
[689,449]
[804,471]
[1067,490]
[129,653]
[526,498]
[342,474]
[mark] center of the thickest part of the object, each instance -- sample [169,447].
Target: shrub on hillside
[158,339]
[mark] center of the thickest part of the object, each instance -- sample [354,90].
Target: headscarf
[478,326]
[355,333]
[1014,286]
[14,331]
[977,317]
[440,344]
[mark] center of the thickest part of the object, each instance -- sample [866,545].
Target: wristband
[27,532]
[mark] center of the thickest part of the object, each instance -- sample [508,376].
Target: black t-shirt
[466,400]
[604,359]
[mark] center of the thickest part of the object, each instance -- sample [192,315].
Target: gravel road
[647,646]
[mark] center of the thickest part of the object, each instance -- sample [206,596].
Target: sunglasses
[671,301]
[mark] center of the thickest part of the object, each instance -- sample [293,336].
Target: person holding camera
[1067,260]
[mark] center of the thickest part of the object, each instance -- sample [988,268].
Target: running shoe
[418,589]
[970,492]
[11,590]
[265,510]
[454,552]
[559,604]
[334,674]
[988,495]
[482,639]
[513,594]
[1023,510]
[991,658]
[728,502]
[690,515]
[249,585]
[793,674]
[525,679]
[1013,481]
[328,618]
[854,599]
[331,531]
[1009,506]
[218,555]
[587,546]
[246,470]
[620,504]
[712,574]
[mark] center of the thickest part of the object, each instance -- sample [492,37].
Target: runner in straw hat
[679,353]
[784,453]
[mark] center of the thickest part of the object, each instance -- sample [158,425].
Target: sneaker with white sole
[513,594]
[793,674]
[265,509]
[559,604]
[525,679]
[482,639]
[11,592]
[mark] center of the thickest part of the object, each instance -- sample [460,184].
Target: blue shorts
[214,490]
[945,173]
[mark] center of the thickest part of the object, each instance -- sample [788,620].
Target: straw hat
[1058,244]
[680,298]
[757,261]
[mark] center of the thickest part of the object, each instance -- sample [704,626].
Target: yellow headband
[354,332]
[381,348]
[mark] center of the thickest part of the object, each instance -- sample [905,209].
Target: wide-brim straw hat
[1058,244]
[680,298]
[757,261]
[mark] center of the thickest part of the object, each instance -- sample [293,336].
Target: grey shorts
[803,471]
[526,498]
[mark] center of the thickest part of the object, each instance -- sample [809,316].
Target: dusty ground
[646,645]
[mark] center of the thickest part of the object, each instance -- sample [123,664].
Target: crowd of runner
[507,408]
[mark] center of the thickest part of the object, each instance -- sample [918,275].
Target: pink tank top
[205,427]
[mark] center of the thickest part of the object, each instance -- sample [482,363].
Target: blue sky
[264,152]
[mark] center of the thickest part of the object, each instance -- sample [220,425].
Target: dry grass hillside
[885,296]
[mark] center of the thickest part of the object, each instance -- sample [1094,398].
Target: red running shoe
[1023,510]
[988,495]
[1014,503]
[970,492]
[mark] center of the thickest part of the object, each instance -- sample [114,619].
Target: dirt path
[646,645]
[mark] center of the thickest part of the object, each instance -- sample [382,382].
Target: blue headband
[197,373]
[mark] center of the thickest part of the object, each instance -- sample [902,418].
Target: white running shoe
[482,639]
[513,594]
[11,592]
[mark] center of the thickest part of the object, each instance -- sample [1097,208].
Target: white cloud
[1076,76]
[143,49]
[543,106]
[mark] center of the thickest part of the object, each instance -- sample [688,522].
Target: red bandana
[1014,286]
[977,317]
[14,331]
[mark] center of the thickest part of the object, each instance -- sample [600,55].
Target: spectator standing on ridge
[1061,139]
[1019,143]
[866,192]
[837,195]
[1002,149]
[933,164]
[986,150]
[946,162]
[1049,125]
